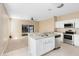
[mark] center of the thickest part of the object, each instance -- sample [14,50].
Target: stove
[68,37]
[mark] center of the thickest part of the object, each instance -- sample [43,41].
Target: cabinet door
[60,24]
[49,44]
[39,47]
[44,45]
[69,21]
[76,40]
[76,24]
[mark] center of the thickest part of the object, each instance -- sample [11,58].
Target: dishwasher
[57,41]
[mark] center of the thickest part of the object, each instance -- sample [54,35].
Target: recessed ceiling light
[50,9]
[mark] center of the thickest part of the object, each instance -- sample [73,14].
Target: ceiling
[39,10]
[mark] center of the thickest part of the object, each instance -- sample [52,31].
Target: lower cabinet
[41,46]
[76,40]
[77,23]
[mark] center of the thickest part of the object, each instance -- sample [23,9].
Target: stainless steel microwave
[68,25]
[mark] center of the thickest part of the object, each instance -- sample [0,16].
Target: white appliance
[57,41]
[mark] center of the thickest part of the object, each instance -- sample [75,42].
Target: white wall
[4,28]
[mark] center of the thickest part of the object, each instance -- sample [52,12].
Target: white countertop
[42,35]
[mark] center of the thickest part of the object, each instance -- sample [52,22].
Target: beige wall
[70,16]
[36,26]
[16,27]
[46,25]
[4,28]
[41,26]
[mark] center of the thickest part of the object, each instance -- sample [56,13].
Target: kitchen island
[41,43]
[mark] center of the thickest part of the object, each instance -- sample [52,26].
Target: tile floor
[65,50]
[16,44]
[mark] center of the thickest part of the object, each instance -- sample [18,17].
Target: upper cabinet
[65,24]
[69,21]
[59,24]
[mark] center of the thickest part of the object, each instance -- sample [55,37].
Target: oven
[68,37]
